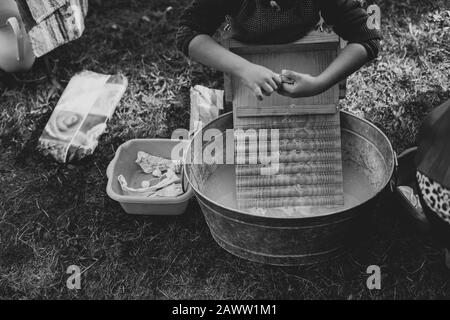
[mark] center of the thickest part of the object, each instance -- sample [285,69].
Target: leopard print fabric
[435,196]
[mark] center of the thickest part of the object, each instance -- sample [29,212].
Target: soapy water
[220,187]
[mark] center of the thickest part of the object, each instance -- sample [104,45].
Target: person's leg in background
[16,53]
[435,200]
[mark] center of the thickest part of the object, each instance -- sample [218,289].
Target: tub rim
[335,214]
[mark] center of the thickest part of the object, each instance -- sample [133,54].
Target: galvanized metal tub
[290,241]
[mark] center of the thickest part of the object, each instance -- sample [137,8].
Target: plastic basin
[124,164]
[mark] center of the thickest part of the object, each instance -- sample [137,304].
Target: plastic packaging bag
[80,117]
[205,106]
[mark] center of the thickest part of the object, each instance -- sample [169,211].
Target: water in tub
[221,188]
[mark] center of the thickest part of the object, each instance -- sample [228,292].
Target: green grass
[53,216]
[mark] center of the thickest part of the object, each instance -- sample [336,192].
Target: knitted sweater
[283,21]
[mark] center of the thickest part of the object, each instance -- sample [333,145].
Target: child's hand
[296,85]
[260,80]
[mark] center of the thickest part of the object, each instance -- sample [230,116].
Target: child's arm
[349,60]
[257,78]
[198,23]
[349,21]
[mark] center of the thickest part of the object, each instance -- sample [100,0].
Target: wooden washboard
[310,164]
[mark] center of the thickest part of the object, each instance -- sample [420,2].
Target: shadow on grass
[401,121]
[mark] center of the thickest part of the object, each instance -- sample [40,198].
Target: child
[272,22]
[433,172]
